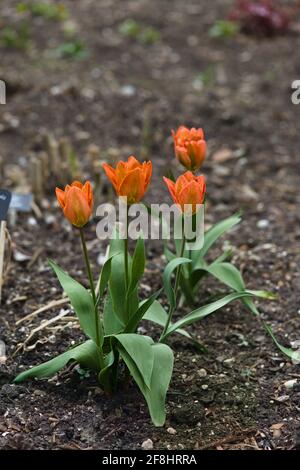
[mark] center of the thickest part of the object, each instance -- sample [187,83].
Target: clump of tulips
[110,311]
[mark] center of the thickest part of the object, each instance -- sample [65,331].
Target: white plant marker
[2,251]
[5,198]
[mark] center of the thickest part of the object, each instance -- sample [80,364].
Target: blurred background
[100,79]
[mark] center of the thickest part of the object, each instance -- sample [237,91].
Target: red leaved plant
[262,18]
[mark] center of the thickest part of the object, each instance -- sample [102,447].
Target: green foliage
[81,300]
[162,367]
[15,37]
[138,265]
[157,314]
[113,334]
[294,355]
[130,28]
[73,163]
[86,354]
[73,49]
[170,268]
[149,35]
[143,358]
[134,30]
[204,79]
[206,310]
[223,29]
[44,9]
[225,272]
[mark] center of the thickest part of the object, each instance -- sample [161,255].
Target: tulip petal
[183,180]
[183,156]
[132,163]
[196,134]
[171,187]
[190,196]
[88,191]
[111,174]
[60,194]
[197,151]
[77,184]
[133,186]
[147,169]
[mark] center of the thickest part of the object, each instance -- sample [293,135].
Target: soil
[234,397]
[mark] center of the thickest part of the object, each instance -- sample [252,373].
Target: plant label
[21,202]
[5,199]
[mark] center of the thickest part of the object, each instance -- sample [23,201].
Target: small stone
[52,339]
[193,41]
[39,393]
[204,387]
[128,90]
[229,360]
[88,93]
[147,445]
[202,373]
[282,398]
[20,257]
[50,219]
[171,431]
[263,223]
[289,384]
[101,259]
[82,135]
[32,221]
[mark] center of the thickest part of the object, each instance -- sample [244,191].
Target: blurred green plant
[57,12]
[204,79]
[130,28]
[134,30]
[73,164]
[223,29]
[149,35]
[15,37]
[74,49]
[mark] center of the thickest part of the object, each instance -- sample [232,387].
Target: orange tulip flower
[130,179]
[77,202]
[188,189]
[190,147]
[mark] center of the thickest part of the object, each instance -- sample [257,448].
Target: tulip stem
[126,264]
[93,292]
[176,286]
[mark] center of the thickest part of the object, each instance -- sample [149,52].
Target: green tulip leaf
[86,354]
[167,278]
[81,301]
[155,393]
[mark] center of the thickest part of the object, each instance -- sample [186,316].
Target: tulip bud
[130,179]
[77,202]
[190,147]
[188,191]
